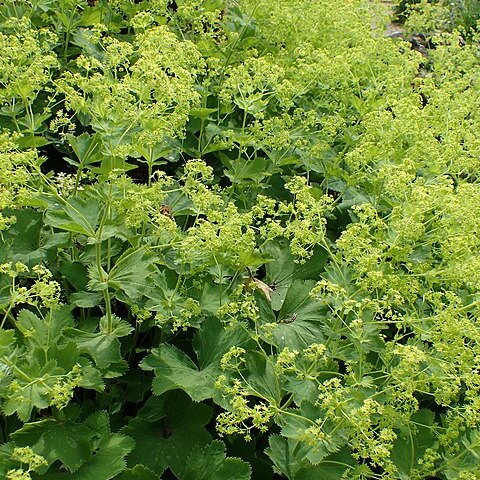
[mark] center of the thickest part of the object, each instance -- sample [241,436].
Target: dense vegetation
[439,15]
[239,240]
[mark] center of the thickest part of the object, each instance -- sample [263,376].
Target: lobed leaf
[211,463]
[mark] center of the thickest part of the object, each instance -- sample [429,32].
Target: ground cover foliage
[239,240]
[439,15]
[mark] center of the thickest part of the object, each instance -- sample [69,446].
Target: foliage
[239,240]
[428,16]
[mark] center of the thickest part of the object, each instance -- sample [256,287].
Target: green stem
[244,123]
[150,173]
[445,463]
[21,373]
[104,279]
[28,108]
[101,273]
[7,315]
[13,298]
[202,127]
[108,310]
[17,126]
[77,178]
[67,35]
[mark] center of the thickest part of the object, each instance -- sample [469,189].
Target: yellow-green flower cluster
[27,63]
[15,176]
[140,92]
[241,418]
[27,457]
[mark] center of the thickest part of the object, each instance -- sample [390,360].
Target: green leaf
[67,356]
[33,385]
[283,271]
[130,272]
[6,461]
[86,299]
[75,273]
[91,16]
[252,259]
[213,296]
[168,149]
[332,468]
[106,456]
[166,443]
[290,459]
[300,318]
[7,340]
[111,231]
[242,169]
[108,459]
[76,215]
[32,141]
[412,441]
[457,465]
[210,463]
[202,113]
[82,37]
[214,339]
[30,373]
[298,299]
[21,242]
[302,388]
[261,376]
[97,276]
[87,147]
[66,441]
[174,369]
[120,328]
[287,455]
[295,424]
[284,268]
[111,163]
[103,347]
[138,472]
[43,333]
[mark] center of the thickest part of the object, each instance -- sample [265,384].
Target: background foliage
[239,240]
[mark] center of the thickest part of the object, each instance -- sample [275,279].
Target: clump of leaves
[429,16]
[239,239]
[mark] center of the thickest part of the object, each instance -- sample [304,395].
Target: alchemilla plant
[238,240]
